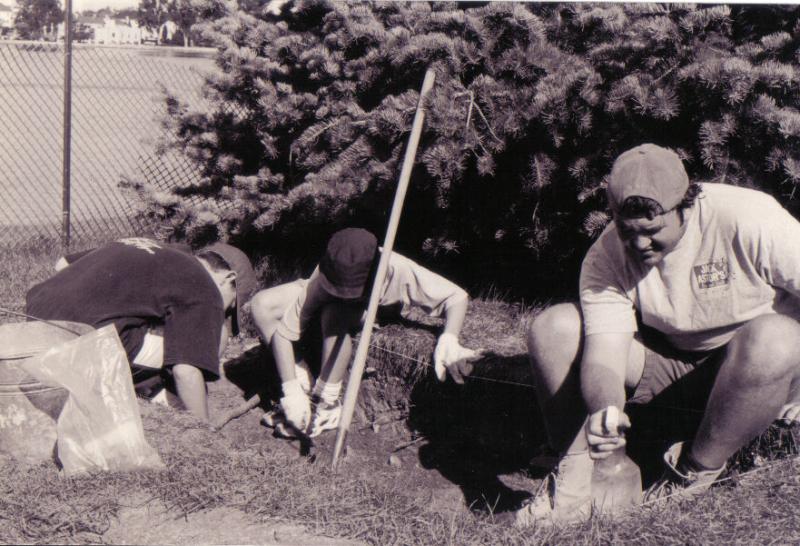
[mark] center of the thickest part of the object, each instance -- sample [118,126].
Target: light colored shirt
[406,283]
[739,258]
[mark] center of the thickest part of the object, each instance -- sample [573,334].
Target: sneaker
[563,497]
[273,418]
[325,416]
[165,398]
[276,420]
[680,485]
[283,430]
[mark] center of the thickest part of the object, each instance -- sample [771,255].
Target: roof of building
[86,20]
[122,21]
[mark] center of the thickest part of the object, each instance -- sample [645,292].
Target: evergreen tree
[37,18]
[312,108]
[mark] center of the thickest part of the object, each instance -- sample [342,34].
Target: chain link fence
[117,111]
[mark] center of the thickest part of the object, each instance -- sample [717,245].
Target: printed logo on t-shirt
[148,245]
[712,274]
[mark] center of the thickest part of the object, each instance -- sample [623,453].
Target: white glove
[605,431]
[449,355]
[296,405]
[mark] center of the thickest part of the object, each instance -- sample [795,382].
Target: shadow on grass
[479,431]
[254,372]
[490,427]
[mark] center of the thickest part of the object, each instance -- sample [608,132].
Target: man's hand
[605,431]
[790,413]
[296,405]
[449,355]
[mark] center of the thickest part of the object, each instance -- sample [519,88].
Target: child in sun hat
[336,295]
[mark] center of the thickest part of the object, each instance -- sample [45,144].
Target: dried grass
[486,426]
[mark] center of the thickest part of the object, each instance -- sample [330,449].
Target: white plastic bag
[100,427]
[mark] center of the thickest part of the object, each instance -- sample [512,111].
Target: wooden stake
[354,382]
[238,411]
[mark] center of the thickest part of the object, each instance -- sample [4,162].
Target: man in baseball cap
[336,295]
[245,281]
[690,298]
[169,307]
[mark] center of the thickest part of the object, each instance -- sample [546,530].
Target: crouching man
[169,307]
[336,294]
[689,280]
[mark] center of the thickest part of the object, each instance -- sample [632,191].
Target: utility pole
[66,157]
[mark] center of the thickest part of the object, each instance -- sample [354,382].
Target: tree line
[38,19]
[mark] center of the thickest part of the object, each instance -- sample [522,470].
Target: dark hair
[214,260]
[644,207]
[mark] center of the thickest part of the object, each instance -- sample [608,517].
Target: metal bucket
[29,409]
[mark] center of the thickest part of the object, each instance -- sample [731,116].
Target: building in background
[117,31]
[7,15]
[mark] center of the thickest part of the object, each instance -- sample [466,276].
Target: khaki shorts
[679,379]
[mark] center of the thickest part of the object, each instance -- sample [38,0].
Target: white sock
[327,392]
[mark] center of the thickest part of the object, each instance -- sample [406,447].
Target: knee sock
[327,392]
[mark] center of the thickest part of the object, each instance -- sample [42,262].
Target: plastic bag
[100,427]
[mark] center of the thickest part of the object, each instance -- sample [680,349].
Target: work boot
[563,497]
[325,416]
[677,484]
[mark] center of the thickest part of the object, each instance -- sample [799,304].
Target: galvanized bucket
[28,408]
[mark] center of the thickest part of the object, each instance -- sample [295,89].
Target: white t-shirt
[406,283]
[739,258]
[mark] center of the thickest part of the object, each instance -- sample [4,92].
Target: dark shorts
[673,377]
[668,404]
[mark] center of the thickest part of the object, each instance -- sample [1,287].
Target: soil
[383,440]
[148,523]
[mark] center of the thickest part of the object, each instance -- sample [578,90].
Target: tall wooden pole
[66,157]
[357,370]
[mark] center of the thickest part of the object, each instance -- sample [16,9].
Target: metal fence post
[65,193]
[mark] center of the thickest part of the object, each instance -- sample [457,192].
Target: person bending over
[173,310]
[336,295]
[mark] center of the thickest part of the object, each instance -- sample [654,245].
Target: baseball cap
[245,278]
[348,262]
[648,171]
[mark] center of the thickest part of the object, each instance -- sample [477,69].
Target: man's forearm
[191,387]
[454,317]
[601,387]
[283,351]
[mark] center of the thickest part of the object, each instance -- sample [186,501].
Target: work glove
[605,431]
[295,405]
[790,413]
[449,355]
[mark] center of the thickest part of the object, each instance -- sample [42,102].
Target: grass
[473,441]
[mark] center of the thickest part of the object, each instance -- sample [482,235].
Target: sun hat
[348,262]
[245,278]
[648,171]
